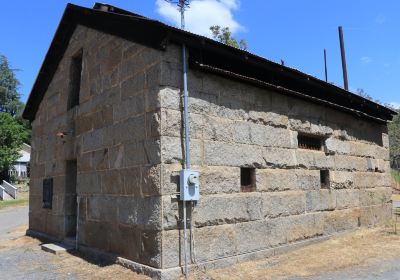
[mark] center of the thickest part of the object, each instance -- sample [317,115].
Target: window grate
[48,193]
[309,142]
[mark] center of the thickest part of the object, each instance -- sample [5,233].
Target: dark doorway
[70,198]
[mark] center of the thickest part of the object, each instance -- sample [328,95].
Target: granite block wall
[234,125]
[126,137]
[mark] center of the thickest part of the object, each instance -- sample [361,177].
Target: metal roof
[221,58]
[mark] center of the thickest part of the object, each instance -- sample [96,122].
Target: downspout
[77,222]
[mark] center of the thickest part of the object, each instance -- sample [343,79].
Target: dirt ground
[358,250]
[22,258]
[364,253]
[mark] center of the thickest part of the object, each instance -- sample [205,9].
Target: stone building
[283,157]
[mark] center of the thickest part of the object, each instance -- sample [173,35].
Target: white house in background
[21,164]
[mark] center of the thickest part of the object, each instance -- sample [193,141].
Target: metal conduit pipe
[186,129]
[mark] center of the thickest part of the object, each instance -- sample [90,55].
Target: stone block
[321,200]
[385,140]
[116,156]
[313,159]
[112,182]
[286,179]
[376,214]
[269,136]
[170,178]
[268,118]
[219,179]
[371,179]
[131,246]
[308,179]
[171,124]
[302,227]
[350,163]
[215,209]
[151,180]
[153,124]
[131,107]
[337,146]
[257,235]
[212,243]
[132,180]
[218,129]
[172,150]
[286,203]
[100,159]
[141,212]
[341,179]
[224,154]
[89,183]
[171,74]
[375,196]
[93,140]
[340,220]
[278,158]
[150,253]
[170,98]
[102,208]
[347,198]
[200,102]
[133,85]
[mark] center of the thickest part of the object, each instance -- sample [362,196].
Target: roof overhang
[202,51]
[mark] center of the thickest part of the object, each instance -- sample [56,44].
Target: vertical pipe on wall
[342,51]
[186,128]
[77,222]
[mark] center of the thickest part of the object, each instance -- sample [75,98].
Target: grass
[396,176]
[22,200]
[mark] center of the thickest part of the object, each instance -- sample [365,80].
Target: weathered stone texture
[114,136]
[127,138]
[235,125]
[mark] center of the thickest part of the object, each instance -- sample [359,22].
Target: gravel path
[11,218]
[21,257]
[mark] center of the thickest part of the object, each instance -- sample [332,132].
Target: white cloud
[395,105]
[202,14]
[366,60]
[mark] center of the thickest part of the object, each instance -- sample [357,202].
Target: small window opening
[310,142]
[376,169]
[247,179]
[325,181]
[75,80]
[48,193]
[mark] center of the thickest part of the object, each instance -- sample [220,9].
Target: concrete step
[57,248]
[4,195]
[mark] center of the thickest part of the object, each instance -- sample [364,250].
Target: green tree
[9,96]
[12,135]
[394,135]
[224,35]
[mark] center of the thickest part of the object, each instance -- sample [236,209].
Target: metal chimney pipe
[342,51]
[326,67]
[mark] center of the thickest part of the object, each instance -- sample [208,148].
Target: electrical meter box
[189,185]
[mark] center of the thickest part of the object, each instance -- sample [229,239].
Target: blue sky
[292,30]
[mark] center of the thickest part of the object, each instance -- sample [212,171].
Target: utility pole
[326,67]
[342,51]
